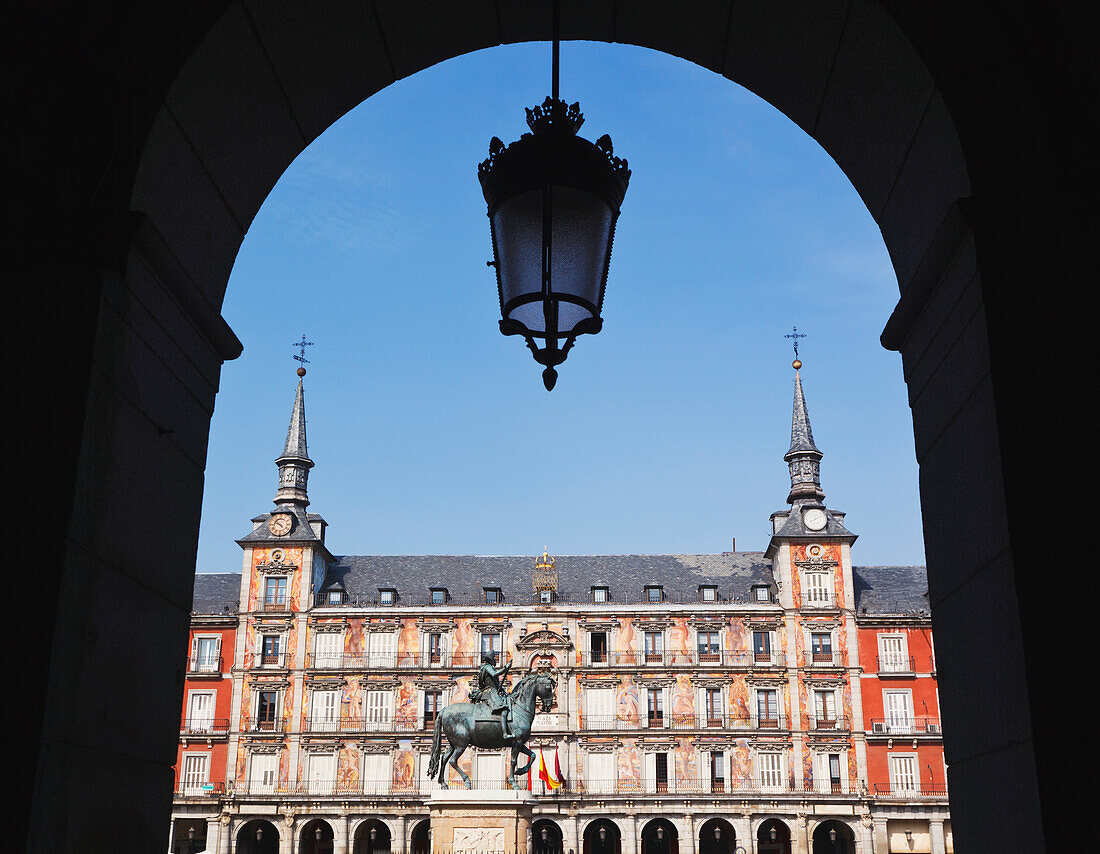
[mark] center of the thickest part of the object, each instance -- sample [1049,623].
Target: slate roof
[301,531]
[465,576]
[886,590]
[215,592]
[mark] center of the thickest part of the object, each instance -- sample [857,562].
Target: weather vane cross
[794,334]
[301,345]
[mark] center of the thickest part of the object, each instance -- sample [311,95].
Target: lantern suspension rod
[555,58]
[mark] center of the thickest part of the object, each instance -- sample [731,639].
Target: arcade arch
[659,836]
[833,837]
[602,836]
[371,836]
[316,837]
[258,836]
[546,837]
[773,836]
[717,836]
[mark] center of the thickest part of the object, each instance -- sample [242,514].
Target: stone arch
[547,837]
[257,836]
[609,841]
[225,94]
[724,842]
[822,841]
[316,836]
[659,836]
[772,836]
[362,842]
[420,837]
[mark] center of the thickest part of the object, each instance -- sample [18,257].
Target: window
[435,648]
[893,654]
[322,773]
[439,595]
[597,647]
[660,768]
[817,589]
[904,777]
[707,642]
[387,596]
[194,773]
[261,777]
[655,702]
[833,760]
[328,649]
[601,594]
[323,717]
[717,771]
[266,704]
[334,597]
[200,711]
[898,705]
[546,597]
[377,773]
[653,593]
[600,774]
[825,709]
[433,704]
[708,594]
[274,593]
[382,649]
[379,714]
[490,642]
[205,654]
[489,770]
[762,647]
[713,698]
[654,647]
[767,707]
[761,593]
[770,770]
[821,647]
[271,650]
[493,596]
[599,704]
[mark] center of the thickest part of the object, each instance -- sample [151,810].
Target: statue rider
[490,690]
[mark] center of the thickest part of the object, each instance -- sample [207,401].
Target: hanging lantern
[553,200]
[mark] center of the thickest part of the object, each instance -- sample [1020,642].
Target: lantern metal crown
[553,200]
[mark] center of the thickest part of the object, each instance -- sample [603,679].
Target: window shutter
[194,653]
[445,646]
[377,774]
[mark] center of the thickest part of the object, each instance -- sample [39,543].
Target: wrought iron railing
[896,791]
[397,661]
[898,665]
[697,721]
[905,725]
[204,664]
[204,726]
[670,658]
[199,790]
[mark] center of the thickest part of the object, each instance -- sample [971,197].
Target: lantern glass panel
[517,230]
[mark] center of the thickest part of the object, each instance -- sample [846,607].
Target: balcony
[898,725]
[278,603]
[836,723]
[198,791]
[265,725]
[692,658]
[354,725]
[396,661]
[204,727]
[895,792]
[896,665]
[204,666]
[700,722]
[823,660]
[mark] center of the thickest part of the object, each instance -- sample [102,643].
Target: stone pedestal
[468,821]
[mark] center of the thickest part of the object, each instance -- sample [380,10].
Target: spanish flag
[552,781]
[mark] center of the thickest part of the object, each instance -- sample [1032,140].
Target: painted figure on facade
[490,691]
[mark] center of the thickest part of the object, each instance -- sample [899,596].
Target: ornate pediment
[769,745]
[710,681]
[278,565]
[765,681]
[328,745]
[654,681]
[708,624]
[656,746]
[382,626]
[831,745]
[435,625]
[764,624]
[601,746]
[544,639]
[264,747]
[323,683]
[652,624]
[429,682]
[374,684]
[824,681]
[377,746]
[491,625]
[328,626]
[272,624]
[600,681]
[598,625]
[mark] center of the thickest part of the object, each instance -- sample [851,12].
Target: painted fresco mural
[800,648]
[853,771]
[741,764]
[405,703]
[807,769]
[739,697]
[683,699]
[351,702]
[353,640]
[626,701]
[630,765]
[404,766]
[408,643]
[626,643]
[804,704]
[679,641]
[737,637]
[284,769]
[686,765]
[347,767]
[465,642]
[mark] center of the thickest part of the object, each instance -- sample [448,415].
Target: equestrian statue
[495,718]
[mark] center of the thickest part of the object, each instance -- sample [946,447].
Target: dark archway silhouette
[372,837]
[773,837]
[660,836]
[973,155]
[602,836]
[316,837]
[833,837]
[420,840]
[188,835]
[258,836]
[717,836]
[546,837]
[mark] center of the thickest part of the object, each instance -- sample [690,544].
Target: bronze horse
[464,726]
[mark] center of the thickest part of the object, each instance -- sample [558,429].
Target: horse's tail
[433,765]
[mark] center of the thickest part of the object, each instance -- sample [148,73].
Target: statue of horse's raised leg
[517,748]
[452,760]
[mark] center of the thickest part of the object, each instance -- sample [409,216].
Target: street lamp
[553,199]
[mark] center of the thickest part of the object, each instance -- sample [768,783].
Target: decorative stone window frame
[600,624]
[764,624]
[781,750]
[606,589]
[599,681]
[276,565]
[393,597]
[425,630]
[376,747]
[757,685]
[256,686]
[264,630]
[384,684]
[818,566]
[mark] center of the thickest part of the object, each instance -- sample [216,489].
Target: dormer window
[387,596]
[708,593]
[493,596]
[334,597]
[546,597]
[654,593]
[601,594]
[439,595]
[761,593]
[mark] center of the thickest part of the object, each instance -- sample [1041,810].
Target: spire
[294,462]
[803,459]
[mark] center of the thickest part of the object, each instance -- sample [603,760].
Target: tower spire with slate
[803,459]
[294,462]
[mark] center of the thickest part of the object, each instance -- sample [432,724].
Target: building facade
[778,701]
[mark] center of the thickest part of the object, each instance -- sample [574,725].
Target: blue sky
[433,434]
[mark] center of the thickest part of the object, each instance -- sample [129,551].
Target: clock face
[279,524]
[815,519]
